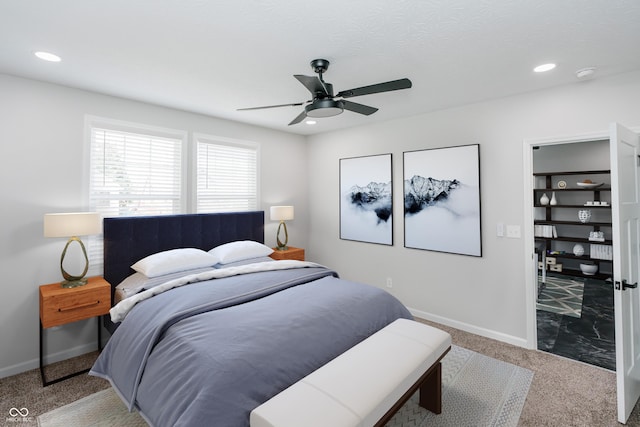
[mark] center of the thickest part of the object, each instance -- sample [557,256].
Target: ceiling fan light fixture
[324,108]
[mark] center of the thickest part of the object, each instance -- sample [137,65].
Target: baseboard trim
[466,327]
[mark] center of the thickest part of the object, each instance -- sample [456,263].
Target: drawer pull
[89,304]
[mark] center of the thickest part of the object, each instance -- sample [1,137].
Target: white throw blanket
[120,310]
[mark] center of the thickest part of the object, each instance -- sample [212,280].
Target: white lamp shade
[72,224]
[281,213]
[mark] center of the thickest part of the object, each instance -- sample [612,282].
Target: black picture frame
[442,209]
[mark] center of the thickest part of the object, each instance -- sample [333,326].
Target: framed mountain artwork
[366,199]
[442,200]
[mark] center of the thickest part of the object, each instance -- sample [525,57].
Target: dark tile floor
[590,338]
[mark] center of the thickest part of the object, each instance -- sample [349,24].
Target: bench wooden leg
[431,391]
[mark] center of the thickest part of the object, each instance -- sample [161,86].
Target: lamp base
[70,280]
[73,283]
[282,246]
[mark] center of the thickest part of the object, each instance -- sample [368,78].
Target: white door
[625,197]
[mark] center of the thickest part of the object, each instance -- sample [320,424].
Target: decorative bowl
[588,184]
[588,269]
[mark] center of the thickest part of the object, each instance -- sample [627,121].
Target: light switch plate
[513,231]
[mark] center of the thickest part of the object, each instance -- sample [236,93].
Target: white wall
[484,295]
[41,170]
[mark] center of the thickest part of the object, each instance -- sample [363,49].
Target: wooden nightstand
[289,253]
[59,306]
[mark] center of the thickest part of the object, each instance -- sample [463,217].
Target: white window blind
[133,174]
[226,176]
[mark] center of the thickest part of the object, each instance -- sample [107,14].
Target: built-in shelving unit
[563,218]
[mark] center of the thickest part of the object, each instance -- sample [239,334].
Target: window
[226,175]
[136,169]
[133,170]
[134,174]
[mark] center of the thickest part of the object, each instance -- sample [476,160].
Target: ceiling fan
[324,102]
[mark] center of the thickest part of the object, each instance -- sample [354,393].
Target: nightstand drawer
[59,306]
[289,253]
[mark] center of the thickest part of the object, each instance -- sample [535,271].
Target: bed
[211,344]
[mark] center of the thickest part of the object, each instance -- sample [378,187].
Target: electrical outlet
[389,282]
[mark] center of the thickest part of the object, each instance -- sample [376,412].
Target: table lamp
[282,214]
[72,225]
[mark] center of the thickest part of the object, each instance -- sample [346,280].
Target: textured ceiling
[213,57]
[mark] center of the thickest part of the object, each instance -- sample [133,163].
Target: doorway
[624,177]
[572,226]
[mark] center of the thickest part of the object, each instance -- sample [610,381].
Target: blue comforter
[210,352]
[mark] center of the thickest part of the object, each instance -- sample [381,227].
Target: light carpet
[477,391]
[562,295]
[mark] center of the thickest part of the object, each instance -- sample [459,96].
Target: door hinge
[624,285]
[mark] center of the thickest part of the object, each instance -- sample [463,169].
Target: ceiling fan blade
[377,88]
[300,118]
[313,84]
[297,104]
[359,108]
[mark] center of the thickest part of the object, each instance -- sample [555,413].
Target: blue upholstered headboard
[129,239]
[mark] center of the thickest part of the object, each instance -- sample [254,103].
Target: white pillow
[240,250]
[174,260]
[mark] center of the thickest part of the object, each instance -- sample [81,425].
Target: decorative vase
[584,215]
[578,249]
[553,201]
[544,200]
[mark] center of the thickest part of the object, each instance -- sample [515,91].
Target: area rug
[562,295]
[477,391]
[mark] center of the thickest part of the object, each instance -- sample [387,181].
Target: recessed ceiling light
[585,73]
[544,67]
[47,56]
[311,122]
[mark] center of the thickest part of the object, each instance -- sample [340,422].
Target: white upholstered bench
[367,384]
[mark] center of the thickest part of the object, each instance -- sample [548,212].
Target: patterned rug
[562,295]
[477,391]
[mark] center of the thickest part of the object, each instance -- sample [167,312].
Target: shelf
[537,205]
[560,190]
[574,200]
[590,223]
[592,172]
[578,258]
[574,240]
[578,273]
